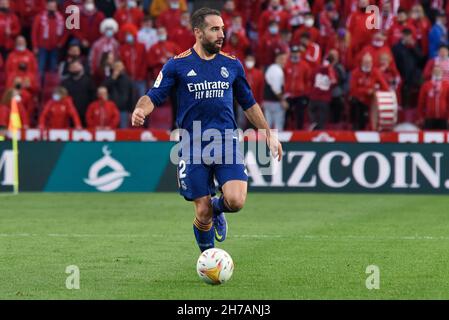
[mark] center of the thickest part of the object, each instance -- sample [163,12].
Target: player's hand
[138,117]
[275,147]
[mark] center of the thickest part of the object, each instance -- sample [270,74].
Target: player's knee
[204,213]
[235,203]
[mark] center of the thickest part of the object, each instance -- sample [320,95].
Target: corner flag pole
[14,125]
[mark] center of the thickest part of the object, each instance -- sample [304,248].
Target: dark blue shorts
[197,180]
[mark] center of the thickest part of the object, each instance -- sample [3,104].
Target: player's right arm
[143,108]
[156,95]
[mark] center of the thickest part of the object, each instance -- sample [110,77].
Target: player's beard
[210,47]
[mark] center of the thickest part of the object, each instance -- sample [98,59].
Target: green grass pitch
[285,246]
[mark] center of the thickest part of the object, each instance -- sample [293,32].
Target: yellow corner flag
[15,124]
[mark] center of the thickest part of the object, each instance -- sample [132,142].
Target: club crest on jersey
[224,72]
[158,81]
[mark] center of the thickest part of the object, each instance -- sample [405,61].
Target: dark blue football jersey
[205,90]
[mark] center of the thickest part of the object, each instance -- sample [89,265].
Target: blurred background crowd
[312,65]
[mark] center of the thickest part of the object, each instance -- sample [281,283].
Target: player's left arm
[253,112]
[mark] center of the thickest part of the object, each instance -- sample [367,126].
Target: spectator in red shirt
[102,113]
[310,51]
[133,55]
[255,77]
[48,36]
[129,13]
[422,27]
[229,12]
[107,43]
[358,27]
[433,101]
[275,12]
[365,81]
[59,112]
[376,48]
[269,43]
[170,18]
[21,55]
[237,45]
[183,36]
[5,108]
[298,76]
[23,75]
[324,79]
[26,10]
[390,73]
[90,21]
[400,23]
[161,52]
[309,27]
[9,28]
[442,60]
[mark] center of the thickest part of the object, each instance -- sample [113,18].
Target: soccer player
[206,81]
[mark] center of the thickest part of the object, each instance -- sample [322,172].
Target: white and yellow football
[215,266]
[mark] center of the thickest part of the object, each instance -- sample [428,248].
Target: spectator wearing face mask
[390,74]
[376,48]
[298,77]
[107,43]
[229,12]
[308,26]
[9,28]
[133,55]
[329,20]
[442,60]
[296,10]
[5,108]
[438,35]
[129,13]
[183,36]
[90,21]
[21,55]
[409,59]
[433,101]
[48,36]
[28,78]
[274,12]
[147,35]
[102,113]
[80,87]
[59,112]
[269,43]
[161,52]
[159,6]
[171,17]
[365,81]
[23,94]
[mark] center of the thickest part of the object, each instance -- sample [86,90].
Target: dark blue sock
[204,235]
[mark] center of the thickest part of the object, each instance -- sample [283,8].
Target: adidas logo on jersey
[191,73]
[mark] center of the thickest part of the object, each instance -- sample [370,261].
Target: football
[215,266]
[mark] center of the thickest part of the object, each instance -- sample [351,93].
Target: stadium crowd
[311,64]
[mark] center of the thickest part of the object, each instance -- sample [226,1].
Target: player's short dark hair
[199,16]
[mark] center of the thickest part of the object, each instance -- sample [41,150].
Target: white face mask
[366,69]
[162,37]
[250,64]
[437,78]
[378,43]
[273,29]
[132,4]
[309,22]
[21,48]
[89,7]
[174,5]
[56,97]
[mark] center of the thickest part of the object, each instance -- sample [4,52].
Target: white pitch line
[237,236]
